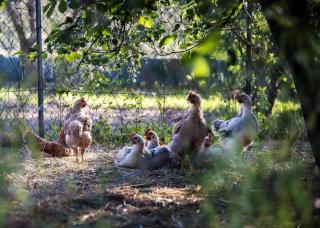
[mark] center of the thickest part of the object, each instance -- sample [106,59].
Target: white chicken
[208,153]
[151,142]
[139,157]
[132,158]
[240,131]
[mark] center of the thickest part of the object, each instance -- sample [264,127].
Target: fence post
[39,68]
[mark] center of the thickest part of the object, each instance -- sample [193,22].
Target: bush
[271,190]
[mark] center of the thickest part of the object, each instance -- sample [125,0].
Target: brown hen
[190,132]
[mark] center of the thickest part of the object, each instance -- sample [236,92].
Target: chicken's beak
[239,99]
[190,101]
[236,94]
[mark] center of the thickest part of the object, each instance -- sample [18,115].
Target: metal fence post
[39,68]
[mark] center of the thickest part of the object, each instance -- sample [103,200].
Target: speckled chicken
[78,136]
[190,132]
[240,131]
[76,113]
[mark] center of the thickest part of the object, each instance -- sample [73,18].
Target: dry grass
[59,192]
[96,193]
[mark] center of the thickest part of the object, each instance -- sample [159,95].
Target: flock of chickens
[190,137]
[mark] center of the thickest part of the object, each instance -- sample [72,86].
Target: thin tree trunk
[248,86]
[296,43]
[272,88]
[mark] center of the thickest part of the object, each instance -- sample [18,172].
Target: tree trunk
[296,42]
[272,88]
[248,86]
[25,31]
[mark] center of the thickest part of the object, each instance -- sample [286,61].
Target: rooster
[241,130]
[190,132]
[76,113]
[78,136]
[55,149]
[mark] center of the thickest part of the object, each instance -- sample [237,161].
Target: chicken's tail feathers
[29,135]
[39,144]
[216,124]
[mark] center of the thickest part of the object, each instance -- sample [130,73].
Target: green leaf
[184,45]
[146,21]
[105,47]
[32,55]
[62,6]
[106,32]
[18,53]
[75,55]
[3,4]
[209,44]
[167,40]
[44,55]
[200,67]
[72,56]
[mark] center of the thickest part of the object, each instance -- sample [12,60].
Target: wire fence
[115,115]
[117,110]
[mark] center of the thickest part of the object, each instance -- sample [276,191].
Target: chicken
[123,152]
[55,149]
[152,139]
[139,157]
[160,157]
[190,132]
[76,113]
[133,159]
[78,136]
[241,130]
[208,153]
[151,142]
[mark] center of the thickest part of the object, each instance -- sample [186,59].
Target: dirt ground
[96,193]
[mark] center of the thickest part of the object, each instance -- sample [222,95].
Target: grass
[136,100]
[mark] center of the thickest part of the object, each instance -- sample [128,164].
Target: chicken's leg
[77,151]
[82,152]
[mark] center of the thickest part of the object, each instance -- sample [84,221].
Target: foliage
[266,189]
